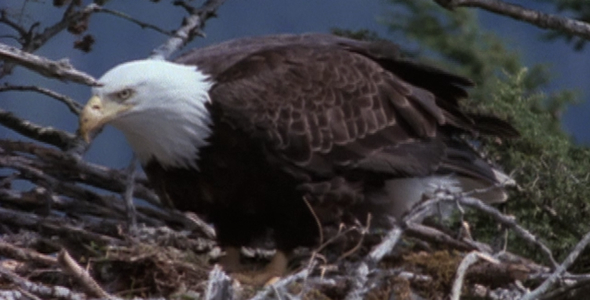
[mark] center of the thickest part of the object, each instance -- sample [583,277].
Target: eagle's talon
[271,273]
[256,278]
[230,262]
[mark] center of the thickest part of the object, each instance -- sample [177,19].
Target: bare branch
[192,26]
[128,196]
[62,199]
[8,250]
[579,289]
[72,267]
[70,16]
[194,222]
[565,276]
[436,236]
[74,106]
[559,270]
[61,70]
[46,292]
[133,20]
[219,285]
[61,139]
[14,25]
[359,282]
[517,12]
[32,42]
[386,245]
[52,224]
[467,261]
[57,162]
[423,209]
[511,223]
[279,286]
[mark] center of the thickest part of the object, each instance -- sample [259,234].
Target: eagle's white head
[158,105]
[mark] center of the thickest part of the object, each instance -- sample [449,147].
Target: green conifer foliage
[553,173]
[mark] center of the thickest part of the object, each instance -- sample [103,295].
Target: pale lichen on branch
[192,26]
[46,134]
[62,70]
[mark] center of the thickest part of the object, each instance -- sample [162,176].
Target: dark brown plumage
[349,126]
[321,117]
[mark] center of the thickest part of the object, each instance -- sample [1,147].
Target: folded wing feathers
[360,116]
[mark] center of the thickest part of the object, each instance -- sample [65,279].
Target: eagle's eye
[124,94]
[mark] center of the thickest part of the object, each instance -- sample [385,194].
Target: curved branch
[512,224]
[74,106]
[133,20]
[52,136]
[53,69]
[557,273]
[191,27]
[32,42]
[517,12]
[70,16]
[80,274]
[8,22]
[80,170]
[42,290]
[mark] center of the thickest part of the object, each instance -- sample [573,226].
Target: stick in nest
[467,261]
[72,267]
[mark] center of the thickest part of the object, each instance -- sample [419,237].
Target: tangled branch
[74,106]
[192,26]
[61,70]
[540,19]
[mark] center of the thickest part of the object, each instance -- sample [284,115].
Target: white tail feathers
[402,194]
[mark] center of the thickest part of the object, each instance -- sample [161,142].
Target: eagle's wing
[336,108]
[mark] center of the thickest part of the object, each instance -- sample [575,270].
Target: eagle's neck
[177,122]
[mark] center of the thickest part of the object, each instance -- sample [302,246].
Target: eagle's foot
[271,273]
[231,260]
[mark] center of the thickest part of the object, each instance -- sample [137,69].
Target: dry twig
[72,267]
[386,245]
[219,285]
[192,26]
[558,272]
[467,261]
[74,106]
[133,20]
[279,287]
[128,196]
[9,250]
[61,70]
[195,222]
[511,223]
[49,135]
[534,17]
[40,290]
[32,41]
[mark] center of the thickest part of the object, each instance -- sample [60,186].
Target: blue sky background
[118,40]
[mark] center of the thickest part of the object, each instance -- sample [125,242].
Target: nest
[77,233]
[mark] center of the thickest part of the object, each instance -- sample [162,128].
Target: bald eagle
[287,135]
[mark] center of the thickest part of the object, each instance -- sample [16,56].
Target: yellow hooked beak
[96,114]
